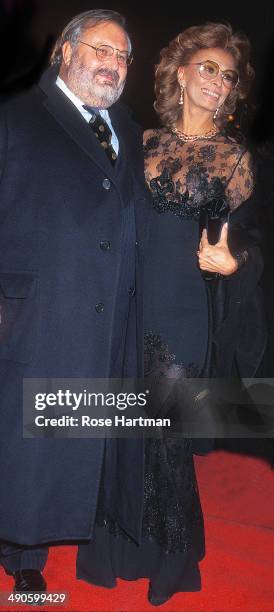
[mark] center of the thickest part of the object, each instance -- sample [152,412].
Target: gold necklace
[192,137]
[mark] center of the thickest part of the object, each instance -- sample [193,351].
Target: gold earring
[181,101]
[216,113]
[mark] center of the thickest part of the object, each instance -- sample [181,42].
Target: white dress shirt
[86,114]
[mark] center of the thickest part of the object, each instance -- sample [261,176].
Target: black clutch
[213,216]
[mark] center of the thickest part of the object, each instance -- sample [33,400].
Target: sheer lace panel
[192,174]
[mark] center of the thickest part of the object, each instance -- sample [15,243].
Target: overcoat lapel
[132,155]
[67,115]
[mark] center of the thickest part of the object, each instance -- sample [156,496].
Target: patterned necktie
[102,132]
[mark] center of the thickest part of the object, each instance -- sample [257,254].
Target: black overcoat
[60,204]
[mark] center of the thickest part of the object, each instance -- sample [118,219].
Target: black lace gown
[184,178]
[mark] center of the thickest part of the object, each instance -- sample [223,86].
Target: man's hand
[217,257]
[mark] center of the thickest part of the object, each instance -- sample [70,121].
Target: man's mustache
[108,73]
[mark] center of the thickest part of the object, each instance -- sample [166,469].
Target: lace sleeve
[241,183]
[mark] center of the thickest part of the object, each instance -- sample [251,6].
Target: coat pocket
[18,315]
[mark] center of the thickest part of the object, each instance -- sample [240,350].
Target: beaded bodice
[186,176]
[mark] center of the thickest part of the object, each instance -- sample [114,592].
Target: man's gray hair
[79,24]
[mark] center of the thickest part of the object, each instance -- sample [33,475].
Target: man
[72,229]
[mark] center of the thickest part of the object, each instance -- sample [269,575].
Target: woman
[197,175]
[203,313]
[196,171]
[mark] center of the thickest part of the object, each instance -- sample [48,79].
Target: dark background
[28,29]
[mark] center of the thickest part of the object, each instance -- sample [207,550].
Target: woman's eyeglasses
[209,70]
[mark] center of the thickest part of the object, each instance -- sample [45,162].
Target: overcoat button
[106,183]
[99,307]
[105,245]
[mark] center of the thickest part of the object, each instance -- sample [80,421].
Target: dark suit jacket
[59,202]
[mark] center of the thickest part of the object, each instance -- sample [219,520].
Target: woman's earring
[181,101]
[216,113]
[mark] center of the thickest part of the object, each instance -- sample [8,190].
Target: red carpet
[237,494]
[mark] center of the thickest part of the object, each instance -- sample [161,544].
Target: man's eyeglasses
[209,70]
[105,52]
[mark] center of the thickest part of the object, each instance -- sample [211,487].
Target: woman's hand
[217,257]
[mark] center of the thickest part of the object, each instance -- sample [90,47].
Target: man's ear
[67,53]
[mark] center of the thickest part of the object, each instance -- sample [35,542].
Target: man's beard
[82,81]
